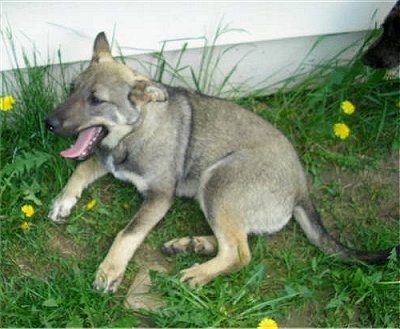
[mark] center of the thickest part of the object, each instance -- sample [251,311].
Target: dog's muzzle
[52,123]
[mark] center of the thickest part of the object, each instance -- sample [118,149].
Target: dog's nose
[52,123]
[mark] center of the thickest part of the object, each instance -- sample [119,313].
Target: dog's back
[216,134]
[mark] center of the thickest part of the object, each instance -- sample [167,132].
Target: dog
[172,142]
[384,53]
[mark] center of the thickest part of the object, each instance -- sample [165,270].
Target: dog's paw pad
[103,284]
[199,245]
[106,282]
[178,246]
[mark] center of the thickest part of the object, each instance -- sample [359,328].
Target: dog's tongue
[82,144]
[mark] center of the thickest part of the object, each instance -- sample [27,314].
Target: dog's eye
[94,100]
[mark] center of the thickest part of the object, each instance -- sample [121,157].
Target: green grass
[46,271]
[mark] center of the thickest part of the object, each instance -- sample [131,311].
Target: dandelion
[25,226]
[267,323]
[7,103]
[91,204]
[347,107]
[28,210]
[341,130]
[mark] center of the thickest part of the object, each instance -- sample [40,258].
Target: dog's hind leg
[203,245]
[218,197]
[233,250]
[86,173]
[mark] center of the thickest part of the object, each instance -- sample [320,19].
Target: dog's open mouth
[86,143]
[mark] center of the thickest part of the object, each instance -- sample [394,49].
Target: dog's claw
[58,220]
[195,275]
[101,282]
[104,283]
[61,209]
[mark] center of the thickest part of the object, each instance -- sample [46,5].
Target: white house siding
[274,37]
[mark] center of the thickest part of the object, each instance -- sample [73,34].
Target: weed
[205,76]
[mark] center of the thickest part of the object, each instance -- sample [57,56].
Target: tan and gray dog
[172,142]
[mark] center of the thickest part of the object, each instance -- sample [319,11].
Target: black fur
[384,53]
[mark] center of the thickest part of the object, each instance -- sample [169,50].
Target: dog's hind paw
[197,275]
[61,209]
[203,245]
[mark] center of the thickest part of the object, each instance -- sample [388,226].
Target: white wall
[140,27]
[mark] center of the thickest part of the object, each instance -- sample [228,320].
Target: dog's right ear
[101,49]
[146,91]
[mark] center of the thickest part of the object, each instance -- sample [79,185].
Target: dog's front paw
[108,278]
[61,209]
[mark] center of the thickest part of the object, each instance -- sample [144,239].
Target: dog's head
[106,103]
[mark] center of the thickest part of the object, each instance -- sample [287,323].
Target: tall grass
[199,68]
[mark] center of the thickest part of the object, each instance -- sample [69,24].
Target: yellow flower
[7,103]
[347,107]
[267,323]
[341,130]
[28,210]
[398,104]
[25,226]
[91,204]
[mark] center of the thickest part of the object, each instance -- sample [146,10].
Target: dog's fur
[384,53]
[173,142]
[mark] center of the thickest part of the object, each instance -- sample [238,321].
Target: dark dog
[384,53]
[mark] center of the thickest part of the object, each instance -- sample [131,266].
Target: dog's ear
[101,49]
[146,91]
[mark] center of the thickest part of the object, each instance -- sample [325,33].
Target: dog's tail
[309,219]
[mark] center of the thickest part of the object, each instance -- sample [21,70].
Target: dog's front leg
[112,269]
[86,173]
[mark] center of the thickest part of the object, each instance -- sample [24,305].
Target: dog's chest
[125,173]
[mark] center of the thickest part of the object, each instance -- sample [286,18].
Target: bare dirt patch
[139,296]
[64,244]
[383,182]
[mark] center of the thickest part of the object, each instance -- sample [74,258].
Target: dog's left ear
[101,49]
[146,91]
